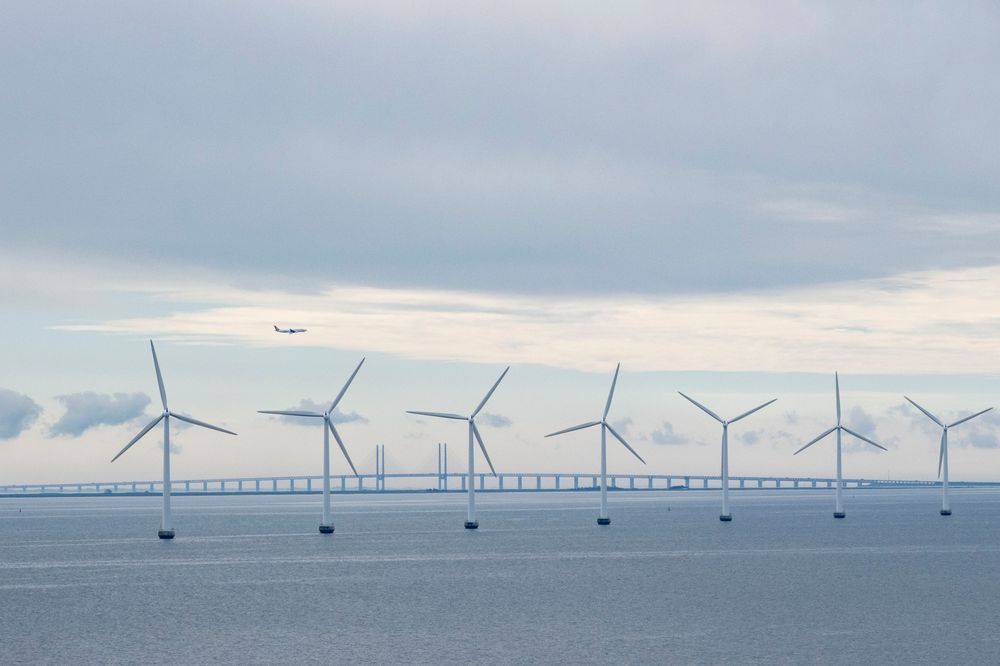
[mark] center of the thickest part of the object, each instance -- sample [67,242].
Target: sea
[250,580]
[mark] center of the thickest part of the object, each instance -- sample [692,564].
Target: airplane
[289,330]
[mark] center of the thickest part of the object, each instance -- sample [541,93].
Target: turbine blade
[624,443]
[702,407]
[440,415]
[591,424]
[482,447]
[836,380]
[159,377]
[863,438]
[283,412]
[814,441]
[746,414]
[611,393]
[135,439]
[201,423]
[969,418]
[489,393]
[350,379]
[944,438]
[926,413]
[340,443]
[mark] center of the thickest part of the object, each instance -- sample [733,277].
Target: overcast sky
[734,200]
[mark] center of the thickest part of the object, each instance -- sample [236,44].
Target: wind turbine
[943,455]
[725,516]
[602,518]
[325,527]
[166,526]
[471,523]
[839,509]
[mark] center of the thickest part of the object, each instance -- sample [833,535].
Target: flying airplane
[288,330]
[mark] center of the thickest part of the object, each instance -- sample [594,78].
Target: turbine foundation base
[839,514]
[603,521]
[165,534]
[945,512]
[726,517]
[326,529]
[472,524]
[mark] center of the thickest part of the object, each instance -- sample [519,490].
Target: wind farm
[431,231]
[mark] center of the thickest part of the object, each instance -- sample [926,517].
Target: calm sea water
[249,580]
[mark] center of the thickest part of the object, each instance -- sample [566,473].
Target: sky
[734,201]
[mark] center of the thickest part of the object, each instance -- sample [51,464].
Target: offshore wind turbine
[325,527]
[166,530]
[725,516]
[839,508]
[602,518]
[943,454]
[470,521]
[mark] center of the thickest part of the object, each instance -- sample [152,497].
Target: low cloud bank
[17,413]
[88,410]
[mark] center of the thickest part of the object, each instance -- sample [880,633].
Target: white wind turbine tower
[725,516]
[603,518]
[471,523]
[326,527]
[943,454]
[839,509]
[166,525]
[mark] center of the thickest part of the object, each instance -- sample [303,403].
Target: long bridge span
[453,482]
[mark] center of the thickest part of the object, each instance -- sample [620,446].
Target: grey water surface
[250,580]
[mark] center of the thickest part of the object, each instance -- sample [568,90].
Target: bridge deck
[431,481]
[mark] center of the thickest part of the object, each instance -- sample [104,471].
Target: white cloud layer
[930,322]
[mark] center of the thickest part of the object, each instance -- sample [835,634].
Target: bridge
[452,482]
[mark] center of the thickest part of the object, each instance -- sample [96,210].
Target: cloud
[861,421]
[928,327]
[980,433]
[751,437]
[791,418]
[983,439]
[175,448]
[89,409]
[538,167]
[623,425]
[915,419]
[309,405]
[666,435]
[17,413]
[495,420]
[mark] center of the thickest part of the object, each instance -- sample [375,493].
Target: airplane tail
[275,327]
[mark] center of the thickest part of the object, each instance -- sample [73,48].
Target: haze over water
[249,579]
